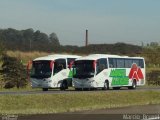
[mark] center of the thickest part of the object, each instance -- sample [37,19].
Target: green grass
[58,103]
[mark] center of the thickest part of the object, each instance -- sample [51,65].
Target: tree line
[28,40]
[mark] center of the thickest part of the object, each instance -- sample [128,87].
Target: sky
[107,21]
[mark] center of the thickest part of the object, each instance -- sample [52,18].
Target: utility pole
[30,45]
[86,38]
[142,44]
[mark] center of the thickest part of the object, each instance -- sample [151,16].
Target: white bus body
[106,71]
[52,71]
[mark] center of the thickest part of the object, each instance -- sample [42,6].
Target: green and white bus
[108,71]
[53,71]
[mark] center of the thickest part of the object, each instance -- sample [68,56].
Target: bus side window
[120,63]
[136,61]
[59,65]
[141,63]
[101,65]
[112,62]
[128,63]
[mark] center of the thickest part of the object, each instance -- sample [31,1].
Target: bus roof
[98,56]
[56,56]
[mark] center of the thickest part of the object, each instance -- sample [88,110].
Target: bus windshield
[59,65]
[41,69]
[84,69]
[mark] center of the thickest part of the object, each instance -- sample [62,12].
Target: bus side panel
[141,79]
[119,77]
[124,77]
[59,77]
[101,77]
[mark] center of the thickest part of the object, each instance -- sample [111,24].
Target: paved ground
[126,113]
[52,91]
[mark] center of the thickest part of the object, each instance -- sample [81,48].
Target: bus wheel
[78,89]
[64,86]
[116,88]
[106,86]
[45,89]
[134,85]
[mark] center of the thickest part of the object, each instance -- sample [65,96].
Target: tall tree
[54,39]
[27,39]
[2,49]
[41,41]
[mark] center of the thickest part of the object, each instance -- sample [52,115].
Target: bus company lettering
[119,77]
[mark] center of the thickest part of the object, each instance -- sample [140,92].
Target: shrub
[13,72]
[153,78]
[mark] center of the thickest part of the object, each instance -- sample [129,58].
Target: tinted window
[101,65]
[120,63]
[136,61]
[41,69]
[69,60]
[125,63]
[128,63]
[59,65]
[112,63]
[84,69]
[141,63]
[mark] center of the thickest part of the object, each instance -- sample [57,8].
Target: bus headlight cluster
[92,81]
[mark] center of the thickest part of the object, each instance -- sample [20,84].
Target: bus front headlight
[92,81]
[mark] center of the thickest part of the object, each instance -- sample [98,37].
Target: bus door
[101,71]
[60,70]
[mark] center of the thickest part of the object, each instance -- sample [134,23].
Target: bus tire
[134,85]
[78,89]
[45,89]
[106,86]
[64,85]
[116,88]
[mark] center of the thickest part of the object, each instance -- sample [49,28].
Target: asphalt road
[55,91]
[148,112]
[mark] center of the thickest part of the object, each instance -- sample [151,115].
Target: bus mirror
[94,64]
[51,64]
[29,66]
[71,64]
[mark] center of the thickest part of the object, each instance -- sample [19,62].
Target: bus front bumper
[41,83]
[84,83]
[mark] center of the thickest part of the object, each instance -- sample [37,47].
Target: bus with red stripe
[52,71]
[108,71]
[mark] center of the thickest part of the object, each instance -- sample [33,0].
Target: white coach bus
[53,71]
[108,71]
